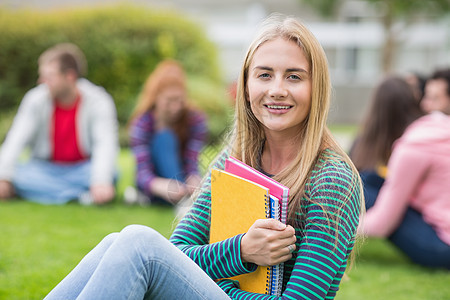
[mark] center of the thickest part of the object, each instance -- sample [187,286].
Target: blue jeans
[166,159]
[50,183]
[414,237]
[166,156]
[137,263]
[372,183]
[419,241]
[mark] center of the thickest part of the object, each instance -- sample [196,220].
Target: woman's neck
[161,121]
[278,153]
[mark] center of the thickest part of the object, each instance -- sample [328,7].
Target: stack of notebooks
[239,196]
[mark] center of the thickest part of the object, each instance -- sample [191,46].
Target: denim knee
[137,230]
[110,238]
[140,234]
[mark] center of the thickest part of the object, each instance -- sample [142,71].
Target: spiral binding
[274,273]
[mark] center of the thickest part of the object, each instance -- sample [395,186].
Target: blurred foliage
[6,118]
[122,45]
[209,96]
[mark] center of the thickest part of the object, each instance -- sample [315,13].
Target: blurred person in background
[413,207]
[417,82]
[70,126]
[166,137]
[392,108]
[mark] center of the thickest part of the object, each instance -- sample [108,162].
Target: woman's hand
[192,183]
[170,189]
[268,242]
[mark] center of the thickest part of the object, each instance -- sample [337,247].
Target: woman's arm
[325,242]
[218,260]
[140,132]
[198,131]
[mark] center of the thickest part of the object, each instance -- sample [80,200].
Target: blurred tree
[390,11]
[123,43]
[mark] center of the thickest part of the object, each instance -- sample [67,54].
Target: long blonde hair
[248,134]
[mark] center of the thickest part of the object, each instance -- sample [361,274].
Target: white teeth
[278,106]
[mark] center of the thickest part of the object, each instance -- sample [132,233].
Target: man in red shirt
[70,126]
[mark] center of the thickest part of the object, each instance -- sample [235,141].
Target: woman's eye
[263,75]
[294,77]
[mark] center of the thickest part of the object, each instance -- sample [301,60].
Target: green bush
[122,45]
[212,98]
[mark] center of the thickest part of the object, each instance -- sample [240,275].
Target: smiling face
[436,97]
[170,103]
[279,87]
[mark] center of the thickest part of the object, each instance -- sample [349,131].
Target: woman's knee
[140,233]
[140,244]
[110,238]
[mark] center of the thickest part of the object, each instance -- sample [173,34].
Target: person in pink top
[413,207]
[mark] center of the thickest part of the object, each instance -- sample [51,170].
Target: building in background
[353,40]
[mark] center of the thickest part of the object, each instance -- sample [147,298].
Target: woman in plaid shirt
[166,136]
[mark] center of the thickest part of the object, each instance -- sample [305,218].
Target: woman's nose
[278,89]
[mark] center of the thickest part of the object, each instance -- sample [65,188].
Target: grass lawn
[40,244]
[382,272]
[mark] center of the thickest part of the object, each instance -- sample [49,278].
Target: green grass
[382,272]
[40,244]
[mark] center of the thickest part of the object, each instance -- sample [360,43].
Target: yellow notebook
[236,203]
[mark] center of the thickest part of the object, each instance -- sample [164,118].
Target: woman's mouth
[278,108]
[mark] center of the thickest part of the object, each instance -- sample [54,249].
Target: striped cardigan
[328,219]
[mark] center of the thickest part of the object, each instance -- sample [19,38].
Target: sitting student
[71,128]
[413,206]
[282,104]
[417,82]
[392,108]
[166,136]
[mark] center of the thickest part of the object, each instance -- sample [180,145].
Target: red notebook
[276,189]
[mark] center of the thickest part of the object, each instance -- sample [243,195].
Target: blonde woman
[280,128]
